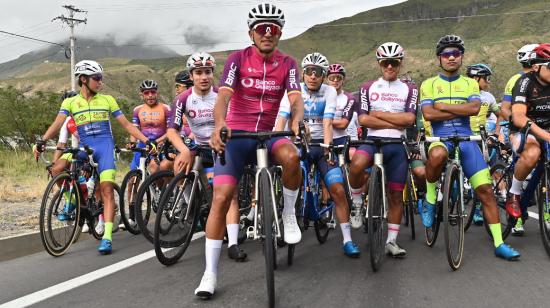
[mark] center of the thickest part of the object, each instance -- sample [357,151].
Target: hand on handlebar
[216,142]
[151,146]
[38,148]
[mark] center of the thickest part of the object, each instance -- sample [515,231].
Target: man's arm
[131,129]
[340,123]
[519,117]
[296,110]
[401,119]
[432,114]
[461,110]
[175,139]
[55,127]
[373,122]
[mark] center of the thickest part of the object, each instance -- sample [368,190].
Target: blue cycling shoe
[427,214]
[478,217]
[105,247]
[351,250]
[66,214]
[506,252]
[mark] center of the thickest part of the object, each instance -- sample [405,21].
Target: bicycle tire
[376,221]
[269,242]
[146,222]
[49,210]
[469,207]
[453,216]
[507,222]
[127,204]
[544,208]
[409,207]
[169,249]
[320,224]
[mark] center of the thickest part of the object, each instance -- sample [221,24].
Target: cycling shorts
[104,156]
[474,166]
[331,174]
[395,163]
[239,153]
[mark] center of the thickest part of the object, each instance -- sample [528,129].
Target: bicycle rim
[544,213]
[376,221]
[453,217]
[129,189]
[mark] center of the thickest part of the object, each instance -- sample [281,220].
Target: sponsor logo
[542,107]
[292,78]
[191,114]
[520,99]
[439,89]
[374,96]
[364,100]
[247,82]
[177,116]
[523,85]
[231,75]
[414,98]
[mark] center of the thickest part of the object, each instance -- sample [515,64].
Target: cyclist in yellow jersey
[91,112]
[448,100]
[482,74]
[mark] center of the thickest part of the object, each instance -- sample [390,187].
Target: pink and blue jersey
[152,121]
[258,85]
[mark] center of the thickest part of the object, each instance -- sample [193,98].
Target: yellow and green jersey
[510,86]
[488,105]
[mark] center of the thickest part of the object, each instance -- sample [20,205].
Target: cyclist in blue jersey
[91,112]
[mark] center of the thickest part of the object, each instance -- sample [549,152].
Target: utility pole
[72,21]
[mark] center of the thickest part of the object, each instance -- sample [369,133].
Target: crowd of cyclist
[260,90]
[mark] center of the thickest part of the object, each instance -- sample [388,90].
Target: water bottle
[90,184]
[83,186]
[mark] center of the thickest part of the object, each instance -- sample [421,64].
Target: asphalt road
[322,276]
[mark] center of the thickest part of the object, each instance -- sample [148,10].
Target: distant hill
[493,39]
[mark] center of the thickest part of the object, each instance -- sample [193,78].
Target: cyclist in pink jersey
[253,83]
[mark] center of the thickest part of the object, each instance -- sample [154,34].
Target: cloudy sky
[179,25]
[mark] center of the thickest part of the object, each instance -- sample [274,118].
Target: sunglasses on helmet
[264,28]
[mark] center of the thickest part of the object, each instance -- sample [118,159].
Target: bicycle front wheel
[453,216]
[269,232]
[60,214]
[128,195]
[376,219]
[543,204]
[147,201]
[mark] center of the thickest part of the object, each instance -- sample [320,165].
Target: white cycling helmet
[315,59]
[525,53]
[200,59]
[389,50]
[265,12]
[87,68]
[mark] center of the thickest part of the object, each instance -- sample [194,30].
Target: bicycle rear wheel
[431,233]
[174,228]
[376,219]
[129,190]
[147,201]
[324,214]
[94,219]
[543,204]
[410,203]
[501,182]
[453,216]
[470,200]
[269,232]
[56,235]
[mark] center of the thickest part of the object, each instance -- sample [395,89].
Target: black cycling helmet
[478,70]
[67,94]
[148,85]
[184,78]
[449,40]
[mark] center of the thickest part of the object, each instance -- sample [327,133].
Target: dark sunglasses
[392,62]
[487,78]
[318,71]
[335,77]
[264,28]
[149,92]
[97,77]
[452,53]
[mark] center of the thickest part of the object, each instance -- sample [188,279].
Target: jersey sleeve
[293,79]
[426,93]
[284,108]
[135,116]
[230,73]
[114,109]
[474,91]
[330,104]
[178,110]
[347,113]
[520,92]
[364,99]
[412,98]
[64,132]
[167,114]
[66,107]
[509,88]
[493,105]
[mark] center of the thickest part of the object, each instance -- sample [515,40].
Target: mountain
[492,37]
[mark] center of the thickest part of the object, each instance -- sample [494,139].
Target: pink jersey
[152,121]
[388,96]
[258,85]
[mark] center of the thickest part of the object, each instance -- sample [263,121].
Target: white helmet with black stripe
[315,59]
[87,68]
[265,12]
[390,50]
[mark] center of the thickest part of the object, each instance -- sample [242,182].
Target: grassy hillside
[493,39]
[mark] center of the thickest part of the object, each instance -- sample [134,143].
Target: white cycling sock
[393,231]
[212,250]
[289,198]
[232,234]
[250,215]
[356,191]
[346,232]
[517,186]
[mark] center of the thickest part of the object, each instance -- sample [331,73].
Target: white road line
[533,215]
[76,282]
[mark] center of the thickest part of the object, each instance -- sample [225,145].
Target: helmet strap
[87,87]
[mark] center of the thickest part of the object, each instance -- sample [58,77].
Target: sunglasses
[149,92]
[318,71]
[487,78]
[392,62]
[452,53]
[264,28]
[335,77]
[97,77]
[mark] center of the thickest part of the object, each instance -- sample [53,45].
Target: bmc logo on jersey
[231,75]
[364,100]
[247,82]
[292,78]
[177,116]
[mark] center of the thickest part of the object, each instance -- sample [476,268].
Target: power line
[31,38]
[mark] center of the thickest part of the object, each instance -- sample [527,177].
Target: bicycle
[451,209]
[56,234]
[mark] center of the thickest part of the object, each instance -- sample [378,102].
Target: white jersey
[318,105]
[352,127]
[344,110]
[199,111]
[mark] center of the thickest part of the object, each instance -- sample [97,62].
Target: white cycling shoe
[207,286]
[292,233]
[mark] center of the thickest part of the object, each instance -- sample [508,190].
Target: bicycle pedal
[250,232]
[331,225]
